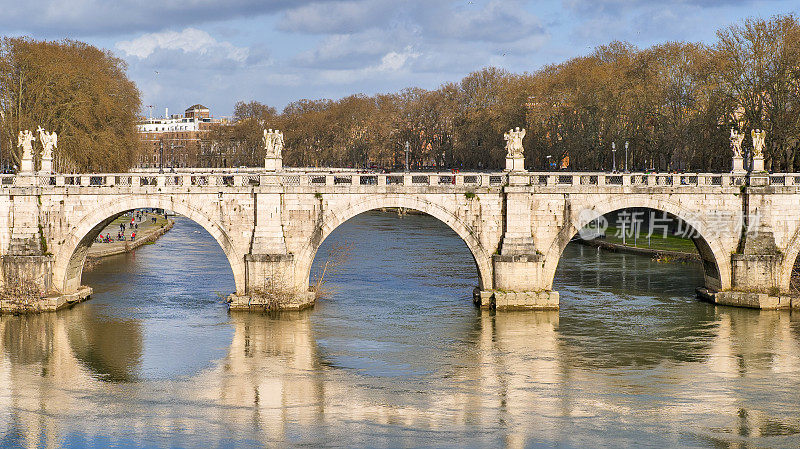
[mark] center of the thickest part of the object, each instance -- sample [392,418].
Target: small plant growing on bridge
[42,241]
[470,195]
[337,257]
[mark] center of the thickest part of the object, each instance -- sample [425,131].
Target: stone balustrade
[202,178]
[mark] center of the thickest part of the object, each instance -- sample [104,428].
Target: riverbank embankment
[147,232]
[659,254]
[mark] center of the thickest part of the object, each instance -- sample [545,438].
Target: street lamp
[548,161]
[614,156]
[626,156]
[161,156]
[407,156]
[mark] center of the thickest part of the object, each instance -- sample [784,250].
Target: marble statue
[513,140]
[25,140]
[49,142]
[267,140]
[273,143]
[736,142]
[758,142]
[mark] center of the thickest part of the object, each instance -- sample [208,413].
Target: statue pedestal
[738,164]
[516,163]
[47,166]
[273,163]
[26,166]
[758,164]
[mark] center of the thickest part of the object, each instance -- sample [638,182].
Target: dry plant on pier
[337,257]
[21,293]
[271,298]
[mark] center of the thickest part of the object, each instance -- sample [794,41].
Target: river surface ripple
[397,356]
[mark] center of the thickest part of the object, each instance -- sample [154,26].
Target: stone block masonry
[515,224]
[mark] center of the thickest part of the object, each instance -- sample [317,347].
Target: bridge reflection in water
[633,374]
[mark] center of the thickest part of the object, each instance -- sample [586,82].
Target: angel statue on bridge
[49,142]
[736,142]
[25,141]
[513,140]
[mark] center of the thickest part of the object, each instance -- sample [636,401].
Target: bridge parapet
[643,179]
[254,179]
[249,178]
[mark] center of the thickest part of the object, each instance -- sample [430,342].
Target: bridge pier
[757,266]
[519,282]
[271,285]
[756,284]
[27,265]
[517,285]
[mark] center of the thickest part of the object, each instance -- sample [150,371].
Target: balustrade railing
[393,180]
[343,179]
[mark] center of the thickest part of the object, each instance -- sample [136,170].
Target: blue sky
[216,53]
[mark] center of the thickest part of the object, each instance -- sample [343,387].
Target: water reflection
[515,385]
[270,377]
[639,368]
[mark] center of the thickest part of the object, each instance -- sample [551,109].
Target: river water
[397,356]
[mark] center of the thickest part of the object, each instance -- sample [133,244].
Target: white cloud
[392,65]
[395,61]
[190,40]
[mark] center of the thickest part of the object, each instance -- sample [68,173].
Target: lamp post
[407,156]
[161,156]
[614,156]
[626,156]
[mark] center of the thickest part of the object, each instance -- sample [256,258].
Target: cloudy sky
[277,51]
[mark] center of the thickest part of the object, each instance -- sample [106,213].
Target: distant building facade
[177,140]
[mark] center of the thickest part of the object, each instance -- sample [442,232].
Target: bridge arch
[71,253]
[715,257]
[334,216]
[789,259]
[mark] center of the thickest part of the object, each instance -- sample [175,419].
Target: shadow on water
[405,273]
[621,310]
[149,303]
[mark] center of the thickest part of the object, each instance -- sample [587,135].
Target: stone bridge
[516,225]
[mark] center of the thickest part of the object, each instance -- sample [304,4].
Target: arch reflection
[517,381]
